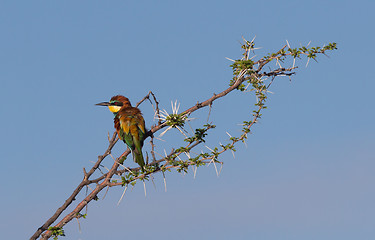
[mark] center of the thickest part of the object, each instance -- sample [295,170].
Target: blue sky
[308,170]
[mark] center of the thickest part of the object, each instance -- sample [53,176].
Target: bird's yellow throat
[114,109]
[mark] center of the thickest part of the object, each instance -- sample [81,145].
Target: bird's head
[116,103]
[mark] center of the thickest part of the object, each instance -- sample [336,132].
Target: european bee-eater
[129,124]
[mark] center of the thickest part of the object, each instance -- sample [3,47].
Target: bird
[129,124]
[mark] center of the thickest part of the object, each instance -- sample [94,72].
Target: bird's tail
[138,158]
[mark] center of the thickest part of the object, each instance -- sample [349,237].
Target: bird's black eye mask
[116,103]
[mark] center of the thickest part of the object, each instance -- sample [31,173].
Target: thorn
[166,130]
[208,148]
[277,61]
[217,174]
[152,179]
[187,154]
[308,60]
[119,201]
[121,165]
[221,167]
[253,38]
[144,187]
[181,131]
[165,182]
[105,194]
[90,188]
[244,142]
[233,154]
[165,152]
[230,59]
[288,44]
[195,171]
[159,139]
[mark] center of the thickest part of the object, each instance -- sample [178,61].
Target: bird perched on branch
[129,124]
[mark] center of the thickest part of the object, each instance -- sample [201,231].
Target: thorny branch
[246,73]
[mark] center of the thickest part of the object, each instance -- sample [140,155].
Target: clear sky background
[308,171]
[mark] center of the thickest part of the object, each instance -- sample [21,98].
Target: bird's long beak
[103,104]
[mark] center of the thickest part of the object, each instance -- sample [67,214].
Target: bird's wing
[132,130]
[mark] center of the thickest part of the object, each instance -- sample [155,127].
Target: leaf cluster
[175,120]
[56,232]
